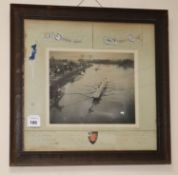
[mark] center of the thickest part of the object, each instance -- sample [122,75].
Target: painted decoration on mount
[93,136]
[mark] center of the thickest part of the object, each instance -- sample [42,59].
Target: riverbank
[56,85]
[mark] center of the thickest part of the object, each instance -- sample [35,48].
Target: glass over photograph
[91,87]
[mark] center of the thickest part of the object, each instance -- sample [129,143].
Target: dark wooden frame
[159,18]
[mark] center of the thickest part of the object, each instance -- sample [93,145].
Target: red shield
[92,136]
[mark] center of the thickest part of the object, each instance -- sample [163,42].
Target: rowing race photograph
[91,87]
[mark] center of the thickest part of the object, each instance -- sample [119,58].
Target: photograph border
[85,125]
[19,157]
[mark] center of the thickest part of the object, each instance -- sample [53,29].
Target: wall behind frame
[172,6]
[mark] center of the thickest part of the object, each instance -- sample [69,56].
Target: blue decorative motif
[33,52]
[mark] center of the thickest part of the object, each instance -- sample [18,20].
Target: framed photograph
[89,86]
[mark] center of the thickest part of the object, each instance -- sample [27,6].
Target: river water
[117,103]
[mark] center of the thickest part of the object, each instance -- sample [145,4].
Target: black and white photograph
[91,87]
